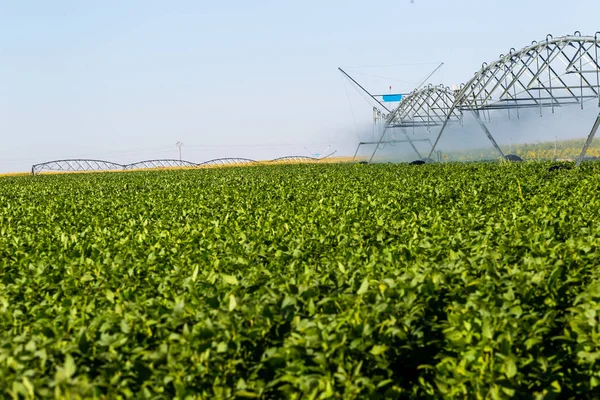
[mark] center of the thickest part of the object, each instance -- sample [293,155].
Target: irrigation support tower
[554,73]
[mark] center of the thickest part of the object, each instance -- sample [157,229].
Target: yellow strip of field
[14,173]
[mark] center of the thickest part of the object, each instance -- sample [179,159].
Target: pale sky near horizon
[125,80]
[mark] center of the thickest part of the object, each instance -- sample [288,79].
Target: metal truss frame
[422,108]
[556,72]
[77,164]
[86,165]
[155,164]
[296,159]
[226,161]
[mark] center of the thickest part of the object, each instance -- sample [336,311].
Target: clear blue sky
[125,80]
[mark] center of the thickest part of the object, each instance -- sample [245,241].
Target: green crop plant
[302,282]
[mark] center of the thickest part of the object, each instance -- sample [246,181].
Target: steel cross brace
[412,144]
[481,124]
[487,132]
[378,143]
[588,141]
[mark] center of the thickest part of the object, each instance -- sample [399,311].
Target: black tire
[513,158]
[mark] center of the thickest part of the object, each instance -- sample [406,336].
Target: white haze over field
[530,127]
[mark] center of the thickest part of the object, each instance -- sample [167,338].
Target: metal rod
[413,145]
[437,139]
[487,132]
[597,68]
[378,143]
[537,59]
[430,75]
[381,95]
[588,141]
[363,89]
[356,152]
[581,76]
[549,77]
[396,141]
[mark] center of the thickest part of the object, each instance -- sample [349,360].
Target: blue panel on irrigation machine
[391,98]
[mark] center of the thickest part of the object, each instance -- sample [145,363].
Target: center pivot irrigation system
[80,165]
[546,75]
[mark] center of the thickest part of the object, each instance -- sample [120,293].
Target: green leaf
[364,287]
[179,307]
[125,327]
[510,368]
[378,349]
[222,347]
[288,301]
[246,394]
[28,387]
[229,279]
[69,367]
[232,302]
[517,311]
[110,296]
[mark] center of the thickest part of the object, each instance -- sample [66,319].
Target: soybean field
[335,281]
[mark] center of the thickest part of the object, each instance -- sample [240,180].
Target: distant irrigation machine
[546,75]
[87,165]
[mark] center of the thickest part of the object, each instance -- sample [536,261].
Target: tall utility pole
[180,145]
